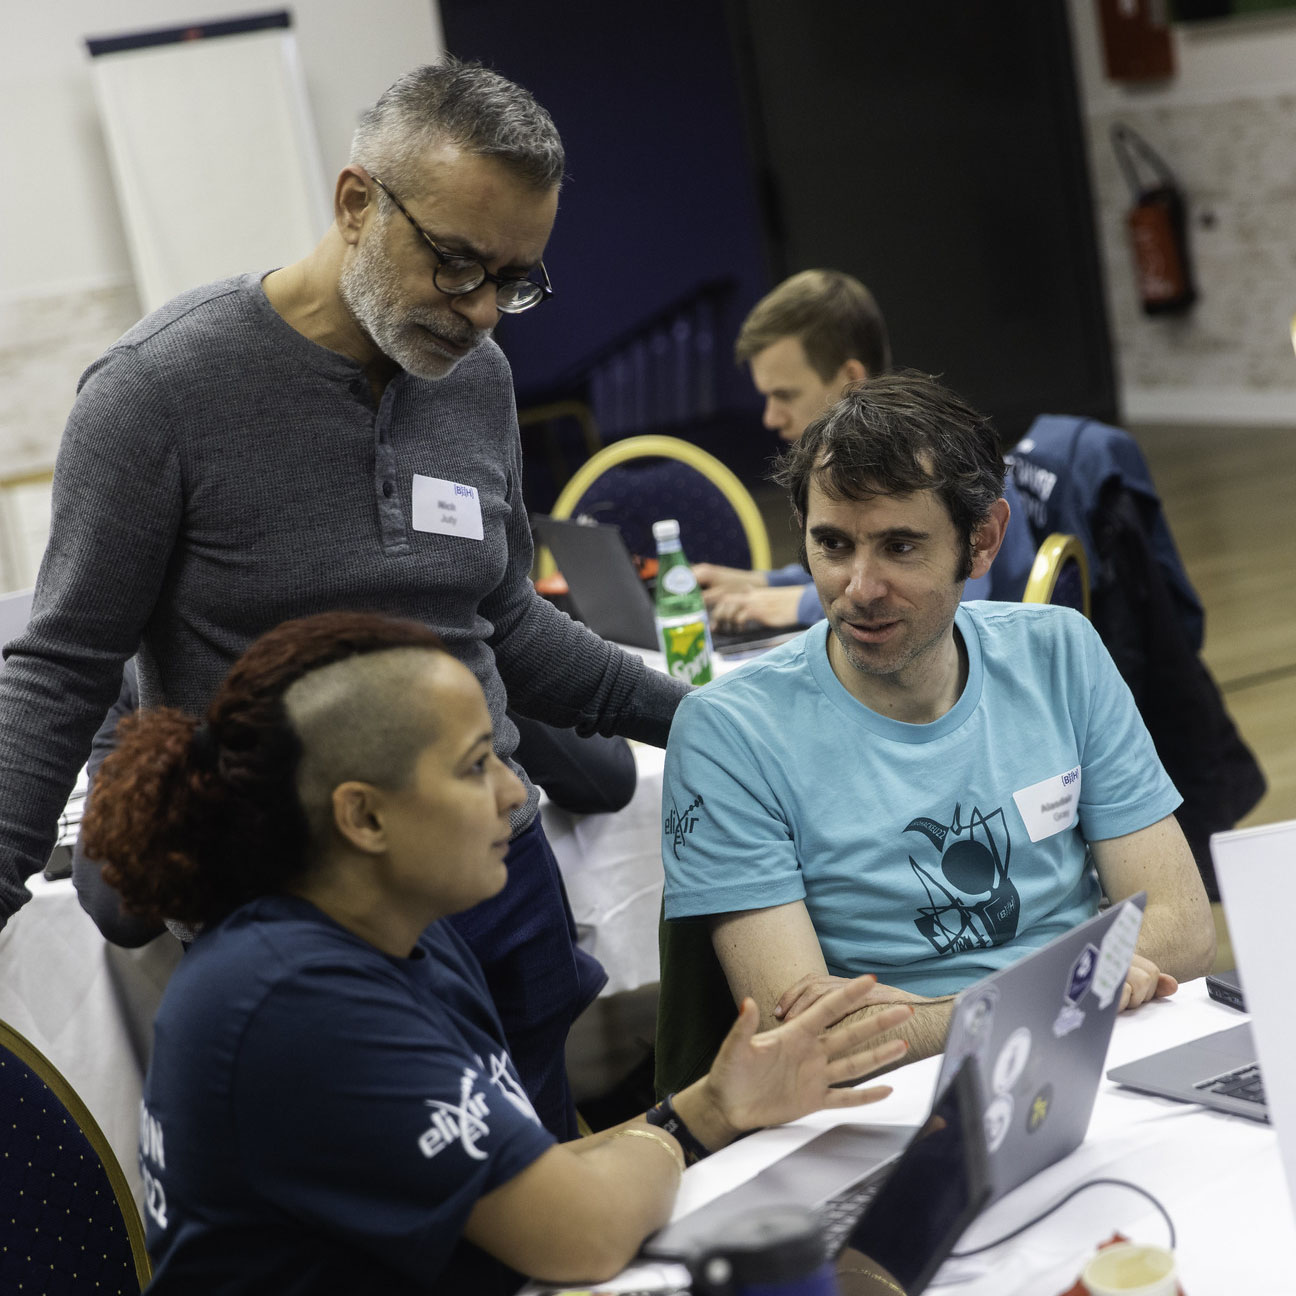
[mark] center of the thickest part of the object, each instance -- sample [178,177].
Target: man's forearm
[1181,944]
[924,1032]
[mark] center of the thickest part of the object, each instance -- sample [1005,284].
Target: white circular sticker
[973,1025]
[1011,1061]
[997,1119]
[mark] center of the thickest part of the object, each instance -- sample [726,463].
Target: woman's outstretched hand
[774,1076]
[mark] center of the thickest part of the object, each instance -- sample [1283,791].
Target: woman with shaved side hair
[331,1106]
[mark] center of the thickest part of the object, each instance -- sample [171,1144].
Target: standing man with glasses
[338,433]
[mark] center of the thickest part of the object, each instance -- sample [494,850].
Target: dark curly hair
[899,434]
[193,819]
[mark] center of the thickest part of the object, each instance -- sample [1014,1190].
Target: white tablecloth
[612,866]
[1219,1177]
[87,1005]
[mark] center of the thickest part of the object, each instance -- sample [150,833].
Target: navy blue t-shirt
[320,1117]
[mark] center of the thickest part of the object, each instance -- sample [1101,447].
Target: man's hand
[712,577]
[1145,981]
[814,985]
[735,609]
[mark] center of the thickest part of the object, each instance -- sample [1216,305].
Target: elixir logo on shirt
[677,826]
[464,1123]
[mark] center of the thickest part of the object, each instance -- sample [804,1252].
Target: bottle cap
[666,529]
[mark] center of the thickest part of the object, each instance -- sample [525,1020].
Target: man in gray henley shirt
[338,433]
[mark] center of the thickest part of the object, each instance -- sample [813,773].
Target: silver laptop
[1039,1032]
[1254,866]
[1036,1034]
[1223,1071]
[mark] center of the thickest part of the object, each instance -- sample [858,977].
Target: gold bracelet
[674,1153]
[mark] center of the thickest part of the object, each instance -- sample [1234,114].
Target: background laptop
[1224,1070]
[608,595]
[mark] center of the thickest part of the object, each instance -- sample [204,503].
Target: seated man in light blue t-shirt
[806,342]
[917,787]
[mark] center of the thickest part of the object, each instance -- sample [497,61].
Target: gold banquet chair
[66,1211]
[634,502]
[1060,574]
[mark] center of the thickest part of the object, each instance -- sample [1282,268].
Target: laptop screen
[934,1191]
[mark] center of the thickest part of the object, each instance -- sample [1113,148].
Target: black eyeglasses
[456,276]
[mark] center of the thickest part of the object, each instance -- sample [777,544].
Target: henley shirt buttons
[387,489]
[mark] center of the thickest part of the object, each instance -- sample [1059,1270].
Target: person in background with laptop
[919,787]
[805,343]
[338,432]
[331,1104]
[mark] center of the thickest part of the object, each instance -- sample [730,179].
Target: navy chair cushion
[633,496]
[1069,590]
[61,1229]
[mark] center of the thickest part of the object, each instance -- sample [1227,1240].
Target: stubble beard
[370,287]
[889,660]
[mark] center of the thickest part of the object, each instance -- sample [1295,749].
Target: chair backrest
[1066,468]
[68,1214]
[719,520]
[1060,574]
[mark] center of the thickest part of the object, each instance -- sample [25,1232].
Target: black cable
[1043,1215]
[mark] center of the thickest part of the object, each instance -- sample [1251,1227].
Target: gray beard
[370,288]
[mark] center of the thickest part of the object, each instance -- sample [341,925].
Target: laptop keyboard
[838,1215]
[1244,1083]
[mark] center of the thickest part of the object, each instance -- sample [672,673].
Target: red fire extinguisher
[1158,226]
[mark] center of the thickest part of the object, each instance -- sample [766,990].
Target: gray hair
[463,104]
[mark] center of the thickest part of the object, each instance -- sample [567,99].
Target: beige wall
[65,279]
[1226,124]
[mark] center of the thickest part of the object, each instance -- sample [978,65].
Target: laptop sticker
[1011,1061]
[446,508]
[1115,953]
[1083,971]
[1049,807]
[997,1120]
[973,1024]
[1037,1112]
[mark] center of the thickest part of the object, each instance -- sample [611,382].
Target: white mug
[1131,1269]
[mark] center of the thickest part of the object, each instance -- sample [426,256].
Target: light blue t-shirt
[930,854]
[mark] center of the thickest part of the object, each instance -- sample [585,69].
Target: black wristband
[665,1117]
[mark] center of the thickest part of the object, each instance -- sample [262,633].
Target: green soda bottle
[682,627]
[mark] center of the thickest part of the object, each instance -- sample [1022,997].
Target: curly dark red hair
[194,820]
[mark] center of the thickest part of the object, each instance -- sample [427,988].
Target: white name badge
[446,508]
[1049,807]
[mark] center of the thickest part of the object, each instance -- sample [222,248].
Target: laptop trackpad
[823,1167]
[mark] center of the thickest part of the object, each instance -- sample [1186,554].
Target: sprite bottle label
[687,644]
